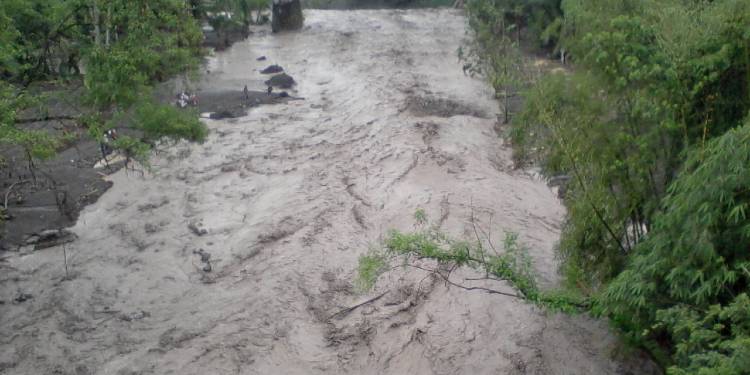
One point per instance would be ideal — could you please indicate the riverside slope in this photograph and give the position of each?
(289, 197)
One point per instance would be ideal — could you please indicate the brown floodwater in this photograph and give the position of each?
(285, 200)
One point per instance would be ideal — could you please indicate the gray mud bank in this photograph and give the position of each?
(238, 256)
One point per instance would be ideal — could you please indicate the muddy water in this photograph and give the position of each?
(285, 200)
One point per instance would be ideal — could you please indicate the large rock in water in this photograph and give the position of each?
(282, 80)
(286, 15)
(272, 69)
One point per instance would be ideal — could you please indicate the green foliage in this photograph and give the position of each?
(153, 122)
(113, 77)
(158, 121)
(36, 144)
(715, 341)
(370, 267)
(9, 48)
(125, 47)
(10, 103)
(133, 148)
(519, 19)
(651, 128)
(150, 46)
(567, 125)
(687, 281)
(513, 265)
(497, 27)
(36, 32)
(648, 90)
(420, 216)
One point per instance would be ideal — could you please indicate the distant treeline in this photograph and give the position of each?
(374, 4)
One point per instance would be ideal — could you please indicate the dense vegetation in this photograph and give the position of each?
(652, 127)
(92, 65)
(117, 49)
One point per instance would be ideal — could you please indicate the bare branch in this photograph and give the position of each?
(352, 308)
(7, 192)
(479, 240)
(488, 290)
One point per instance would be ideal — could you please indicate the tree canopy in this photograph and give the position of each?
(118, 49)
(651, 124)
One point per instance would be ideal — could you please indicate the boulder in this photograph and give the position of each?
(272, 69)
(282, 80)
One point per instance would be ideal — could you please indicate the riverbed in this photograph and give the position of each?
(284, 200)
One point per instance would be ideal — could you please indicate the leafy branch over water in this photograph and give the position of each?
(429, 249)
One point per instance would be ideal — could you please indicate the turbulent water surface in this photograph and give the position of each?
(285, 200)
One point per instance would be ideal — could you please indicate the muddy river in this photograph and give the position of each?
(231, 256)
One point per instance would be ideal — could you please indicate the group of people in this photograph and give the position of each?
(184, 99)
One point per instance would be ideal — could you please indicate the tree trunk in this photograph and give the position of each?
(95, 21)
(109, 23)
(286, 15)
(506, 104)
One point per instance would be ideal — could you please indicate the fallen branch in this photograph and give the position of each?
(7, 192)
(484, 278)
(107, 312)
(479, 240)
(488, 290)
(447, 280)
(352, 308)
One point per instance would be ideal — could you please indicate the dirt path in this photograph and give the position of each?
(285, 200)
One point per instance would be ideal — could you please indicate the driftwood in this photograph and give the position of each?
(352, 308)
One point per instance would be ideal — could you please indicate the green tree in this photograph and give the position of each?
(125, 46)
(686, 284)
(647, 89)
(494, 52)
(150, 41)
(652, 128)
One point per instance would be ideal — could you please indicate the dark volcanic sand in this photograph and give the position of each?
(234, 103)
(64, 185)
